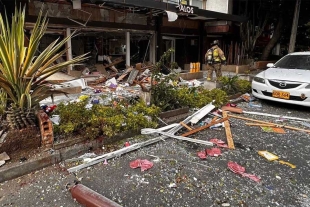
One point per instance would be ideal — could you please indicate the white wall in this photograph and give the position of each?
(223, 6)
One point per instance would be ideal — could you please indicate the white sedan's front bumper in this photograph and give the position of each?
(264, 91)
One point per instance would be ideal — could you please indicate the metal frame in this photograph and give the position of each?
(172, 7)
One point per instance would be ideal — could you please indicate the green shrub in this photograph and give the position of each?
(107, 120)
(244, 86)
(232, 85)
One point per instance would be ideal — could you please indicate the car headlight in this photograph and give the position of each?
(258, 79)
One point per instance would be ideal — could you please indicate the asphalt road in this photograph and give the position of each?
(180, 178)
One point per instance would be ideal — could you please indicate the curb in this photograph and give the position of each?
(20, 169)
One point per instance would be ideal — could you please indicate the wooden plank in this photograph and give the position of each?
(116, 61)
(186, 126)
(125, 74)
(230, 140)
(214, 119)
(132, 76)
(204, 127)
(67, 90)
(260, 124)
(264, 122)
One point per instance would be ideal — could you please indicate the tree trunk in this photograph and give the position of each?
(19, 119)
(275, 37)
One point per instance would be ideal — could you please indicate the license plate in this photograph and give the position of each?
(281, 94)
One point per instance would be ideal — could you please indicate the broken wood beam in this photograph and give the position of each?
(264, 122)
(229, 138)
(204, 127)
(186, 126)
(214, 119)
(260, 124)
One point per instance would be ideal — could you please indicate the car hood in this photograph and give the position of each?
(287, 74)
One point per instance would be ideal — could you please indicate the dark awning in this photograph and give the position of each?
(200, 14)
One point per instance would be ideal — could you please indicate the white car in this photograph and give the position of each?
(287, 81)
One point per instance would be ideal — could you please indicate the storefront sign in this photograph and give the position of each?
(185, 8)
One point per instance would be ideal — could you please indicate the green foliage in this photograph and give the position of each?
(164, 93)
(22, 71)
(244, 86)
(3, 101)
(232, 85)
(167, 95)
(75, 116)
(173, 97)
(91, 123)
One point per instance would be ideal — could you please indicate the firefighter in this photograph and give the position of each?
(214, 59)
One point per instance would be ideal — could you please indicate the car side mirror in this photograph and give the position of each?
(270, 65)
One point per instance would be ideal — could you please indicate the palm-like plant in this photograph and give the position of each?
(22, 73)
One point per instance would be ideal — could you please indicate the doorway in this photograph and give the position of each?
(169, 42)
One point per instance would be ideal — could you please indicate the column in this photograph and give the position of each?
(69, 49)
(128, 49)
(152, 48)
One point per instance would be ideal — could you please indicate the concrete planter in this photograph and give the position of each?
(236, 68)
(171, 113)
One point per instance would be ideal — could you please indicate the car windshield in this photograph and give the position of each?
(294, 62)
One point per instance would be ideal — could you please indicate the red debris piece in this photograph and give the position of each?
(231, 105)
(127, 144)
(135, 164)
(202, 154)
(252, 177)
(219, 143)
(214, 152)
(238, 169)
(144, 164)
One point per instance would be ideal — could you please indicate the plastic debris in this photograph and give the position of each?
(214, 152)
(305, 124)
(55, 119)
(278, 130)
(269, 156)
(202, 154)
(4, 156)
(231, 105)
(2, 162)
(238, 169)
(172, 185)
(217, 125)
(127, 144)
(278, 177)
(144, 164)
(287, 163)
(267, 129)
(251, 105)
(105, 162)
(219, 143)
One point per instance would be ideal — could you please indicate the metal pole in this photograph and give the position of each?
(69, 49)
(128, 49)
(294, 27)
